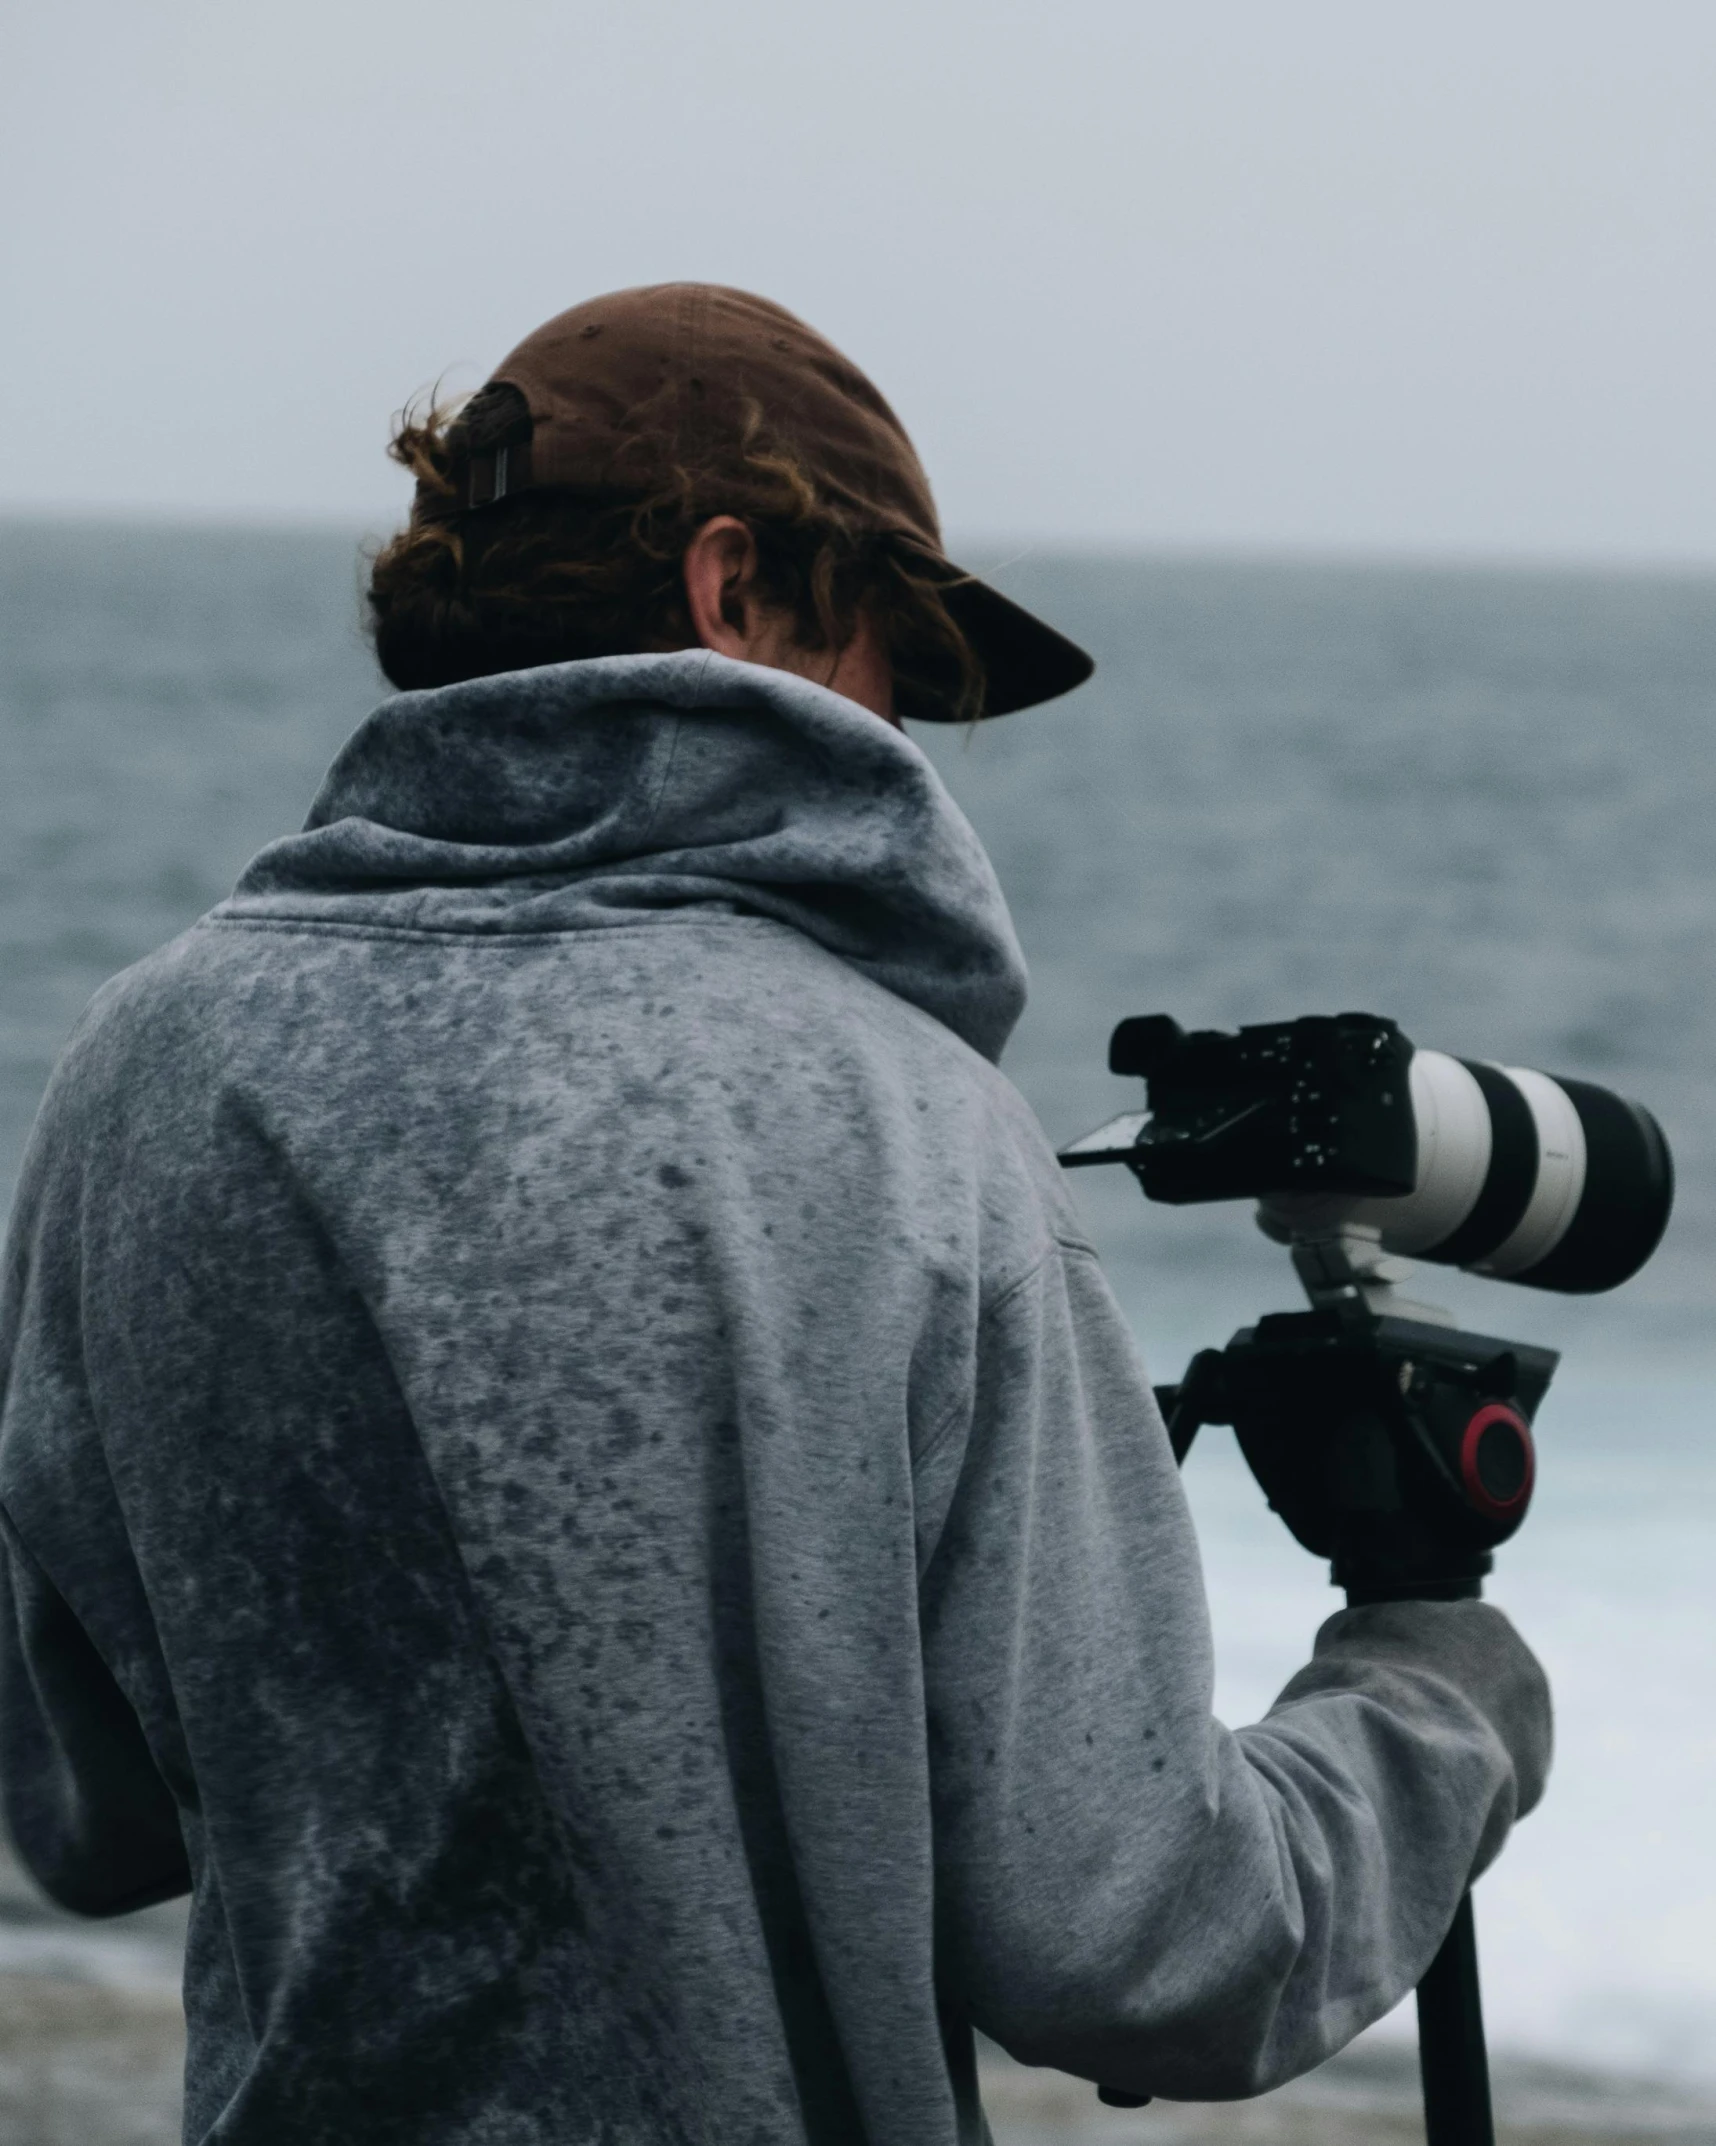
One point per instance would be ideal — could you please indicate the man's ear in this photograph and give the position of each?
(729, 616)
(721, 588)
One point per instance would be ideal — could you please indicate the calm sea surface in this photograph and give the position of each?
(1482, 802)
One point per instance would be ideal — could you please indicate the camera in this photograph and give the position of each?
(1337, 1125)
(1392, 1443)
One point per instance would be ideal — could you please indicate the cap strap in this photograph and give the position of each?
(494, 475)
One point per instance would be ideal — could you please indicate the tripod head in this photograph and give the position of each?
(1391, 1442)
(1400, 1449)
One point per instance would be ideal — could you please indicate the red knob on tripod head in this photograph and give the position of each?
(1498, 1462)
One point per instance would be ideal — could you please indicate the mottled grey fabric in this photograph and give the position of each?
(565, 1463)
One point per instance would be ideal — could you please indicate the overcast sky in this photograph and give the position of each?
(1316, 273)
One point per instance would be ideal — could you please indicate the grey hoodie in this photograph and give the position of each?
(567, 1465)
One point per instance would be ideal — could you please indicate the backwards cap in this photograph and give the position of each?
(625, 390)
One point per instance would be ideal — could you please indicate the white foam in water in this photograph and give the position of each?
(1597, 1928)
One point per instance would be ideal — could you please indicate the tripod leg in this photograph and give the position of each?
(1451, 2053)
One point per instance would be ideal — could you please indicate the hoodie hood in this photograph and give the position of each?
(585, 795)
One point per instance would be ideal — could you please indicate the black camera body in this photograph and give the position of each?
(1322, 1104)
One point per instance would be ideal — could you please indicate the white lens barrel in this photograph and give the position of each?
(1454, 1148)
(1560, 1182)
(1476, 1139)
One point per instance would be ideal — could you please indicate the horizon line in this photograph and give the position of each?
(1016, 548)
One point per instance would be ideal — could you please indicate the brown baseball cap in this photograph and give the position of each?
(627, 389)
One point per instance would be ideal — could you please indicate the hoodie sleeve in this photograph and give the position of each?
(85, 1805)
(1125, 1888)
(89, 1814)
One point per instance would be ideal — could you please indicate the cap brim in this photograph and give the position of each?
(1024, 661)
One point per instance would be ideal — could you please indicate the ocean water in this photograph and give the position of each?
(1480, 801)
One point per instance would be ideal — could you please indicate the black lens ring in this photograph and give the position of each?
(1510, 1180)
(1629, 1194)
